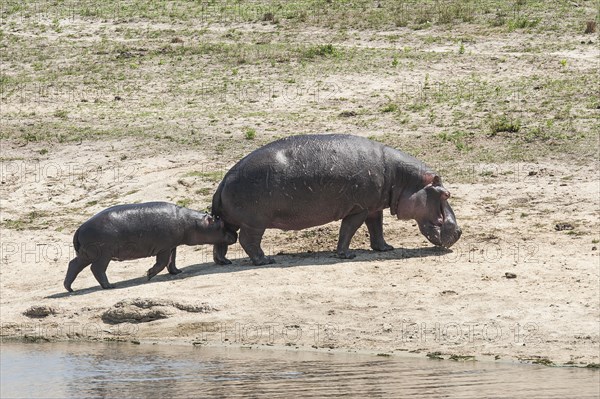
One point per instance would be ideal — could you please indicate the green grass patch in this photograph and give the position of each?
(322, 50)
(249, 133)
(184, 202)
(391, 107)
(458, 138)
(504, 124)
(214, 177)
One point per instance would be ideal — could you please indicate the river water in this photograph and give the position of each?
(68, 370)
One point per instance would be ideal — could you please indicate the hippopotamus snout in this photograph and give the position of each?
(444, 230)
(450, 233)
(443, 236)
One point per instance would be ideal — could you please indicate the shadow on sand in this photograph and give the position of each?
(282, 260)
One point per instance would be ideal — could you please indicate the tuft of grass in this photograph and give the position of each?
(31, 221)
(462, 358)
(322, 50)
(249, 133)
(458, 138)
(504, 124)
(184, 202)
(543, 361)
(214, 177)
(522, 23)
(391, 107)
(204, 191)
(61, 113)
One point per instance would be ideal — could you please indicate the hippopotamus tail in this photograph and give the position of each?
(217, 207)
(76, 243)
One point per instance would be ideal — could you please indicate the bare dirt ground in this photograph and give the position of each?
(99, 110)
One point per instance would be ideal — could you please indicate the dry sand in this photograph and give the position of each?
(412, 299)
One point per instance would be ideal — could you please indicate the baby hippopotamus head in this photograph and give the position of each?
(210, 230)
(430, 208)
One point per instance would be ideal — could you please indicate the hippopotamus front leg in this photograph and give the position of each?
(350, 224)
(250, 240)
(219, 252)
(163, 258)
(99, 269)
(374, 223)
(171, 266)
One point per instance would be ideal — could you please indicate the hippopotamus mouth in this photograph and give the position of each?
(444, 230)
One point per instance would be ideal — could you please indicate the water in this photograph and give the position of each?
(66, 370)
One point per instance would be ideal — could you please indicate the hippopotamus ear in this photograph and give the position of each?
(431, 178)
(204, 222)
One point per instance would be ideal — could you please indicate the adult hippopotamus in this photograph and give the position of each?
(305, 181)
(134, 231)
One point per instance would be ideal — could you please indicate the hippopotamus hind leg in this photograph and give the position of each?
(99, 266)
(163, 258)
(220, 250)
(250, 239)
(374, 223)
(171, 266)
(350, 224)
(75, 267)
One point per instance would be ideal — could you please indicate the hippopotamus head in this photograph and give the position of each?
(210, 230)
(430, 208)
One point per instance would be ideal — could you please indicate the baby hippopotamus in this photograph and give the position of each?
(134, 231)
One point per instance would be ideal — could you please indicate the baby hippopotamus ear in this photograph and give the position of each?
(208, 221)
(430, 178)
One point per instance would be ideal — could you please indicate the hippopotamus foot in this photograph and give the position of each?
(171, 268)
(163, 259)
(374, 222)
(107, 285)
(219, 252)
(382, 248)
(346, 255)
(99, 270)
(250, 240)
(265, 260)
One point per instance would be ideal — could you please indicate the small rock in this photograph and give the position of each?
(563, 226)
(143, 310)
(532, 173)
(594, 248)
(347, 114)
(510, 275)
(449, 292)
(40, 311)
